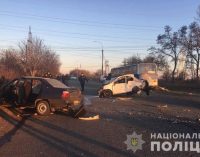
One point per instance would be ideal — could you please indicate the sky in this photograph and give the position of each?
(78, 29)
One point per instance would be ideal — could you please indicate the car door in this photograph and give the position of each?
(9, 91)
(130, 83)
(119, 86)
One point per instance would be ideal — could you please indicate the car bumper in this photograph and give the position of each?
(76, 105)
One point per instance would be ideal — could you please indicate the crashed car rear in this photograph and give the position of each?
(44, 94)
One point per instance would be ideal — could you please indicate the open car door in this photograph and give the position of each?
(119, 86)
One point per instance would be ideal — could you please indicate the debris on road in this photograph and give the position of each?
(22, 108)
(113, 101)
(186, 110)
(162, 89)
(163, 106)
(90, 118)
(130, 113)
(124, 99)
(175, 121)
(108, 119)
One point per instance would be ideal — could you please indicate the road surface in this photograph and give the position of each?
(60, 135)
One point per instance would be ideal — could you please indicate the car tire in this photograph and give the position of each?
(135, 89)
(43, 108)
(107, 93)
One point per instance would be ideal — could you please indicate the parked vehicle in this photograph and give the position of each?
(123, 84)
(45, 94)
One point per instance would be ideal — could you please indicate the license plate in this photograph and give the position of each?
(76, 102)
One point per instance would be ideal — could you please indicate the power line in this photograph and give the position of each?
(86, 22)
(59, 33)
(77, 22)
(49, 34)
(74, 33)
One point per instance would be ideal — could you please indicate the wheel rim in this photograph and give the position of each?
(42, 108)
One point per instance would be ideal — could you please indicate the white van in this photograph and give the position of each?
(123, 84)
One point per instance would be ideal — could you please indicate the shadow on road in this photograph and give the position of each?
(61, 145)
(17, 125)
(81, 137)
(57, 142)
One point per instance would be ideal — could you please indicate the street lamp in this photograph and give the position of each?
(102, 56)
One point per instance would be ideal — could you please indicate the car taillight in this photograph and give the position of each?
(65, 95)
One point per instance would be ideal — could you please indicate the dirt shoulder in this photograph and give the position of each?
(181, 86)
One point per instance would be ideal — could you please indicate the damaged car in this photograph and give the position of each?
(44, 94)
(125, 84)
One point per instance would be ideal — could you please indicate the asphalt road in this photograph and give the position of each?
(91, 87)
(60, 135)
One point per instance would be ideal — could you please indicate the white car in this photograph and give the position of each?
(123, 84)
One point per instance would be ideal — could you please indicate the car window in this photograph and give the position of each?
(129, 78)
(120, 80)
(56, 84)
(36, 86)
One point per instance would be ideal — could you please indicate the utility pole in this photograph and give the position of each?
(102, 62)
(102, 56)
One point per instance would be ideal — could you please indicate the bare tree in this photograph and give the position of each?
(191, 43)
(9, 65)
(158, 59)
(37, 59)
(132, 60)
(195, 42)
(169, 47)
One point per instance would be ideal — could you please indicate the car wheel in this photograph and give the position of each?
(107, 93)
(135, 90)
(43, 108)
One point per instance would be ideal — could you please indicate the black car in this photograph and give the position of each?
(45, 94)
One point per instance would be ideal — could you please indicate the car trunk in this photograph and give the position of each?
(75, 95)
